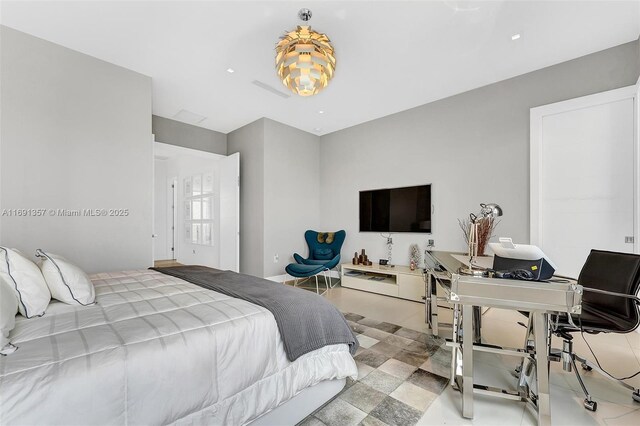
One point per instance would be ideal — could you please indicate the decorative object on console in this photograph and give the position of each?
(415, 256)
(362, 259)
(478, 229)
(305, 59)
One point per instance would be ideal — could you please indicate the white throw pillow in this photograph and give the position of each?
(8, 311)
(27, 282)
(67, 282)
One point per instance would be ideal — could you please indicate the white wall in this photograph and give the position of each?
(279, 198)
(473, 148)
(291, 202)
(75, 134)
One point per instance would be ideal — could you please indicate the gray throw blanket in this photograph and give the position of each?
(306, 321)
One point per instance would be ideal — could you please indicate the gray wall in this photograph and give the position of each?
(75, 134)
(473, 148)
(181, 134)
(279, 200)
(292, 201)
(249, 142)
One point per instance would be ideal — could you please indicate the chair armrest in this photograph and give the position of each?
(299, 259)
(611, 293)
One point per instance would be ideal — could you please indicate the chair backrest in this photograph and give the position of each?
(318, 250)
(616, 272)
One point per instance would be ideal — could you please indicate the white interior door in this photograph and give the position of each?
(230, 213)
(160, 235)
(583, 186)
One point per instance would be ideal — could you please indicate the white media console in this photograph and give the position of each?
(397, 281)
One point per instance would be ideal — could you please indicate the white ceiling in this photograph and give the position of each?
(391, 55)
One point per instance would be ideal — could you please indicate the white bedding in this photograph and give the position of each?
(155, 350)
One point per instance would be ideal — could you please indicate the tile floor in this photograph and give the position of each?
(619, 354)
(399, 377)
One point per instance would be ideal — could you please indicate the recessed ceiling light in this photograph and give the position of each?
(230, 70)
(515, 37)
(320, 112)
(317, 129)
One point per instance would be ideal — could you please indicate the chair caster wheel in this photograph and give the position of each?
(590, 405)
(636, 395)
(586, 367)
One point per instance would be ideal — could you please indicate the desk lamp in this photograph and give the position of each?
(487, 211)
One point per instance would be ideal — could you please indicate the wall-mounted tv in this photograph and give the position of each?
(396, 210)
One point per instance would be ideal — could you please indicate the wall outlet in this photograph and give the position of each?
(276, 258)
(389, 240)
(431, 243)
(194, 251)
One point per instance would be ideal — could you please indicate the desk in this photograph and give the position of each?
(540, 299)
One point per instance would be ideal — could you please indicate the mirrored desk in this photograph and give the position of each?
(466, 293)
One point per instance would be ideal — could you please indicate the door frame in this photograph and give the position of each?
(537, 115)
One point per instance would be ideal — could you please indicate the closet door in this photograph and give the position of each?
(583, 177)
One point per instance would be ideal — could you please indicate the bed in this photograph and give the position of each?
(156, 349)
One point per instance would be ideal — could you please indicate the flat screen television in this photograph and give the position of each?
(396, 210)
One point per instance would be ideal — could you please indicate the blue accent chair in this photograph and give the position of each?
(322, 253)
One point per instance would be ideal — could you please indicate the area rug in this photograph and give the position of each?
(400, 373)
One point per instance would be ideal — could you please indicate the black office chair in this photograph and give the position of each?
(609, 305)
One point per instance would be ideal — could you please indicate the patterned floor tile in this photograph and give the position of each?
(414, 396)
(363, 370)
(376, 334)
(353, 317)
(394, 412)
(417, 347)
(366, 341)
(369, 322)
(398, 369)
(390, 386)
(371, 358)
(411, 334)
(428, 381)
(386, 349)
(372, 421)
(357, 328)
(398, 341)
(381, 381)
(311, 421)
(340, 413)
(363, 397)
(387, 327)
(439, 363)
(413, 358)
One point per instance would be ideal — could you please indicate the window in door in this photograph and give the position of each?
(198, 209)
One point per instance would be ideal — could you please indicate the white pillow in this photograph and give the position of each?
(8, 311)
(67, 282)
(27, 282)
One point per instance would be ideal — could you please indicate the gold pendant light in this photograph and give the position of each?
(305, 59)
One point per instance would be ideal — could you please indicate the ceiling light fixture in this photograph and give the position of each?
(230, 70)
(305, 59)
(320, 112)
(317, 129)
(515, 37)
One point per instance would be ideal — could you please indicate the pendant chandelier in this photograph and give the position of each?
(305, 59)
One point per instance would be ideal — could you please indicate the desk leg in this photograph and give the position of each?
(541, 333)
(467, 361)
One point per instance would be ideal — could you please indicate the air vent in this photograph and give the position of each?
(271, 89)
(189, 117)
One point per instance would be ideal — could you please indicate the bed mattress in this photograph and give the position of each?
(155, 350)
